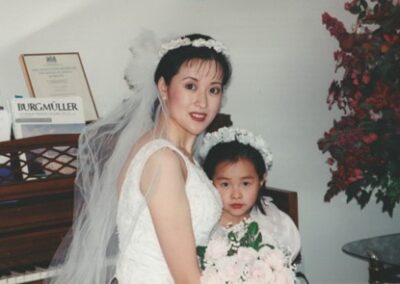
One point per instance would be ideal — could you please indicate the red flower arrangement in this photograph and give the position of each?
(364, 145)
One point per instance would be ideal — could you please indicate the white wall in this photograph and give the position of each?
(283, 64)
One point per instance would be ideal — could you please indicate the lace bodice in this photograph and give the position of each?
(141, 259)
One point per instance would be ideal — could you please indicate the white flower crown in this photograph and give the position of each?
(200, 42)
(229, 134)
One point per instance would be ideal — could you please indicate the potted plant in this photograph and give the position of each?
(364, 144)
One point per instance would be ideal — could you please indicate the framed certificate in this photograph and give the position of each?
(58, 75)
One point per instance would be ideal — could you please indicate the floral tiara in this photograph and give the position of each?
(229, 134)
(200, 42)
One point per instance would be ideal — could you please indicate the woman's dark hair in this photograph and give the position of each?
(172, 61)
(233, 152)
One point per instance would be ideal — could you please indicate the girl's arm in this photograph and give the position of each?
(165, 176)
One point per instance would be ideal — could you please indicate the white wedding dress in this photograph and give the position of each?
(141, 259)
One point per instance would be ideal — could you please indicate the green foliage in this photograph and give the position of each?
(201, 251)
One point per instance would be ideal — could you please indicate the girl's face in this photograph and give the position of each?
(193, 97)
(238, 184)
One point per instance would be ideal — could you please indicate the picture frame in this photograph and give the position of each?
(58, 74)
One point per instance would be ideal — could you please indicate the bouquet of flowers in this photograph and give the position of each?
(241, 256)
(364, 143)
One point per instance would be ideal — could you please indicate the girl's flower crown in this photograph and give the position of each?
(229, 134)
(200, 42)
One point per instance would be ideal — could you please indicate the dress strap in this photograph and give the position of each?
(158, 144)
(135, 168)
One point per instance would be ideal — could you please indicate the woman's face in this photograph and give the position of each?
(238, 184)
(193, 97)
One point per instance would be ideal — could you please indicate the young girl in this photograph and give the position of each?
(238, 163)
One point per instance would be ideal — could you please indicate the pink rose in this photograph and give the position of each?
(276, 260)
(210, 276)
(264, 252)
(247, 255)
(216, 249)
(229, 268)
(284, 277)
(259, 273)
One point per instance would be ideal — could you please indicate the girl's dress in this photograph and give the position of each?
(280, 226)
(141, 259)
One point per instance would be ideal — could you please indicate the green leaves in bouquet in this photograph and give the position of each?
(233, 239)
(201, 251)
(252, 238)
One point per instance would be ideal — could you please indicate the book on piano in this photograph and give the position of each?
(40, 116)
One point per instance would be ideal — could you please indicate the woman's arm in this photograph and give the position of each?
(163, 179)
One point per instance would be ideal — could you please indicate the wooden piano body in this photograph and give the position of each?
(36, 201)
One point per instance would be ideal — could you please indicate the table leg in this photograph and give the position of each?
(375, 270)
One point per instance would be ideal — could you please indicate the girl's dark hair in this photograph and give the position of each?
(233, 152)
(172, 61)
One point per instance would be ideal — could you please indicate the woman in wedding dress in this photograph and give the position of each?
(143, 202)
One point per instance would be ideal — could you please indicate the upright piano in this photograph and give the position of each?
(36, 201)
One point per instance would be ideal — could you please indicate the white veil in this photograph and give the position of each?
(90, 255)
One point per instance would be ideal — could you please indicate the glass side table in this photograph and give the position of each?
(383, 255)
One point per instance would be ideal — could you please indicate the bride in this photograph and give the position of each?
(143, 203)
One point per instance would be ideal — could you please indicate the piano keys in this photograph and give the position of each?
(35, 276)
